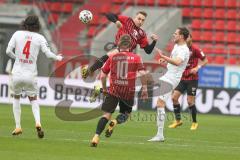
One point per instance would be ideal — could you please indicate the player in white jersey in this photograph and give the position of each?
(176, 66)
(27, 44)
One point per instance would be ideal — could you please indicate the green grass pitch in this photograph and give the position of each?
(217, 138)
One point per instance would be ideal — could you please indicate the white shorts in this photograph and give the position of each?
(25, 84)
(163, 81)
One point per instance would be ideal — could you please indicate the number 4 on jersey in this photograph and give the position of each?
(26, 49)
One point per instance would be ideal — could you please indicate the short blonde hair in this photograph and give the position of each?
(143, 13)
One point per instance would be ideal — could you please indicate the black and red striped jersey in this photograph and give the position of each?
(138, 36)
(123, 68)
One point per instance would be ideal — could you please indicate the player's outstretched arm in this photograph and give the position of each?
(46, 50)
(149, 48)
(175, 61)
(114, 18)
(200, 65)
(98, 64)
(53, 56)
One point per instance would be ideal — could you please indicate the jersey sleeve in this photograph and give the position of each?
(199, 53)
(106, 67)
(122, 19)
(12, 42)
(11, 46)
(45, 48)
(44, 45)
(181, 53)
(143, 41)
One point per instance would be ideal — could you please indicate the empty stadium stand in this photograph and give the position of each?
(215, 24)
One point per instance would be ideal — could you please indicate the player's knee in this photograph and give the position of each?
(161, 103)
(16, 96)
(107, 115)
(191, 104)
(121, 118)
(191, 101)
(32, 98)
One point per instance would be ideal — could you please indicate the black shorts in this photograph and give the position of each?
(190, 86)
(110, 104)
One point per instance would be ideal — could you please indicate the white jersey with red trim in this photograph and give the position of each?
(27, 46)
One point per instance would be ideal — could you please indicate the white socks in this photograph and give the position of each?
(17, 112)
(160, 121)
(36, 112)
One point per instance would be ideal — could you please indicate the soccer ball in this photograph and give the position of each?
(85, 16)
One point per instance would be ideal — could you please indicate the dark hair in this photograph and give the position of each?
(183, 31)
(31, 23)
(143, 13)
(124, 41)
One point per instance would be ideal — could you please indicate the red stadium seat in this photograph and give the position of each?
(207, 13)
(220, 3)
(197, 13)
(207, 36)
(105, 8)
(238, 39)
(185, 3)
(162, 2)
(196, 35)
(231, 14)
(150, 2)
(207, 49)
(231, 4)
(231, 38)
(23, 2)
(219, 25)
(141, 2)
(67, 8)
(116, 9)
(53, 18)
(219, 60)
(166, 2)
(210, 59)
(196, 24)
(220, 49)
(219, 14)
(207, 3)
(232, 61)
(219, 37)
(55, 6)
(186, 12)
(233, 50)
(207, 25)
(196, 3)
(118, 1)
(231, 26)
